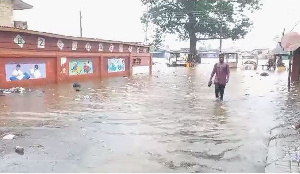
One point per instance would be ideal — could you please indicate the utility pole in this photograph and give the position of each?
(221, 35)
(146, 29)
(80, 18)
(221, 29)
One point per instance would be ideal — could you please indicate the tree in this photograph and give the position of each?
(198, 20)
(157, 41)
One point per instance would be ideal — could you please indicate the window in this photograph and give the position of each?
(137, 61)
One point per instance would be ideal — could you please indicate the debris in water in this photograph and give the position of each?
(86, 97)
(223, 107)
(12, 90)
(296, 127)
(264, 74)
(19, 150)
(9, 137)
(77, 86)
(6, 92)
(77, 99)
(296, 158)
(37, 145)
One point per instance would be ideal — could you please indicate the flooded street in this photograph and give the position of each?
(167, 122)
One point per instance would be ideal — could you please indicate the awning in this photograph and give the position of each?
(20, 5)
(290, 41)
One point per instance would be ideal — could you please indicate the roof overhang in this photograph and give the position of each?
(18, 30)
(290, 41)
(20, 5)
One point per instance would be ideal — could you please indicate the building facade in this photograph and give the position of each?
(7, 8)
(31, 58)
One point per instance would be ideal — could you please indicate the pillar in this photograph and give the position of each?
(295, 67)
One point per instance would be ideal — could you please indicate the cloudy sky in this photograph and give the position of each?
(120, 20)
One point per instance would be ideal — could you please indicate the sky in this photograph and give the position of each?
(120, 20)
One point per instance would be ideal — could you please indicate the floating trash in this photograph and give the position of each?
(9, 137)
(296, 157)
(12, 90)
(19, 150)
(86, 97)
(77, 86)
(264, 74)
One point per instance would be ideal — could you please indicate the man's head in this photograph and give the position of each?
(221, 58)
(18, 67)
(36, 67)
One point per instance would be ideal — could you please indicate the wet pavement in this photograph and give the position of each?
(167, 122)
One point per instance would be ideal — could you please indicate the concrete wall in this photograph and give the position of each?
(6, 13)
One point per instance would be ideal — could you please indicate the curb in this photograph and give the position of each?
(283, 146)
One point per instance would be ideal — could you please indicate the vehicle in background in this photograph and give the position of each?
(231, 58)
(176, 59)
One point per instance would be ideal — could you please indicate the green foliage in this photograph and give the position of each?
(202, 18)
(158, 39)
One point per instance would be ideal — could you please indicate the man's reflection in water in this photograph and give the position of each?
(220, 112)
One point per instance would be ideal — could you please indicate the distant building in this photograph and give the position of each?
(209, 54)
(279, 50)
(160, 54)
(261, 53)
(7, 8)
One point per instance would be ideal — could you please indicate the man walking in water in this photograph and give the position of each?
(221, 69)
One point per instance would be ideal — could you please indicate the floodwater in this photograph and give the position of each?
(166, 122)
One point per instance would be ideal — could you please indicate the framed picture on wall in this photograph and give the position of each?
(116, 65)
(80, 67)
(25, 71)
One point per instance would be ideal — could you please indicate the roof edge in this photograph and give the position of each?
(46, 34)
(21, 5)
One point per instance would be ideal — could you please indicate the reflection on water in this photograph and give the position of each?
(167, 122)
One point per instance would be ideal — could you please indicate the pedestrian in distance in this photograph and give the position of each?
(221, 72)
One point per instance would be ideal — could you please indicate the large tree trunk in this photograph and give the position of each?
(193, 47)
(193, 43)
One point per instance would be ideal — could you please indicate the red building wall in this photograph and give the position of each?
(57, 62)
(50, 72)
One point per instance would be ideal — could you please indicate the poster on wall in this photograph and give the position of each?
(116, 65)
(63, 67)
(80, 67)
(25, 71)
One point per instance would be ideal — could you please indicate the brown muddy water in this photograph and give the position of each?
(166, 122)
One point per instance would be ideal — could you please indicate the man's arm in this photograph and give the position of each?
(213, 72)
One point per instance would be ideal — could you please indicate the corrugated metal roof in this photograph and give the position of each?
(18, 30)
(20, 5)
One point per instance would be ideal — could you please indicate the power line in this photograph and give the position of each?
(295, 25)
